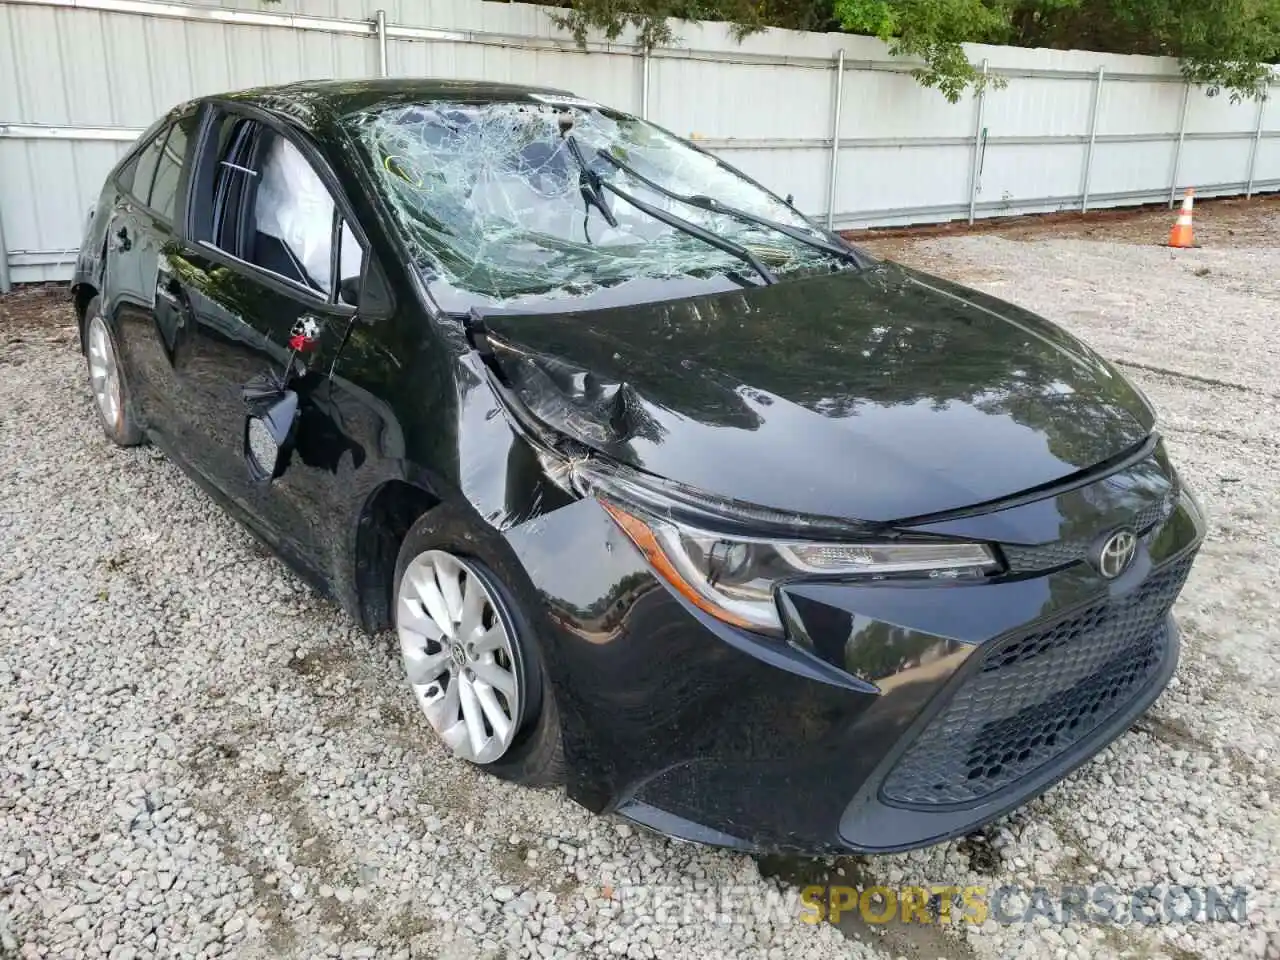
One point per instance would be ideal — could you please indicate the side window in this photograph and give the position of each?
(127, 173)
(146, 163)
(296, 224)
(164, 189)
(259, 199)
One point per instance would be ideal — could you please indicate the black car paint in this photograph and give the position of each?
(879, 394)
(806, 396)
(774, 741)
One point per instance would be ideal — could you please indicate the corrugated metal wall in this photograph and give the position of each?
(80, 78)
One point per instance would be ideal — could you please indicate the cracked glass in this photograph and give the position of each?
(494, 205)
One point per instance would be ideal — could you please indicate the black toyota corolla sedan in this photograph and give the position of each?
(668, 495)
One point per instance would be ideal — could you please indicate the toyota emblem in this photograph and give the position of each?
(1116, 553)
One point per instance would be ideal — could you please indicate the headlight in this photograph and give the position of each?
(733, 577)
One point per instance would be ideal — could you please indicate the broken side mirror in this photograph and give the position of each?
(269, 432)
(791, 199)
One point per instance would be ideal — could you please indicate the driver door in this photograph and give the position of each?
(259, 282)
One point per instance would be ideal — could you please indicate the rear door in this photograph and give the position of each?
(259, 279)
(140, 228)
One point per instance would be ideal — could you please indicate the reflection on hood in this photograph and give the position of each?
(874, 395)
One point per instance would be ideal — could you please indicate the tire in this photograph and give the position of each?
(533, 756)
(107, 379)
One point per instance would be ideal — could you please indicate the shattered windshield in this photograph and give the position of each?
(498, 209)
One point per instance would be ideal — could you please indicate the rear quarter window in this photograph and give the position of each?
(144, 166)
(164, 188)
(126, 175)
(153, 173)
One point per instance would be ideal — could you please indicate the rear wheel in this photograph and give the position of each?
(471, 659)
(110, 391)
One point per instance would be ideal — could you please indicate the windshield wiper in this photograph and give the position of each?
(712, 205)
(589, 182)
(693, 230)
(593, 186)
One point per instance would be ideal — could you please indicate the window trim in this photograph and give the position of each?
(144, 140)
(144, 199)
(272, 280)
(168, 132)
(183, 172)
(161, 128)
(213, 111)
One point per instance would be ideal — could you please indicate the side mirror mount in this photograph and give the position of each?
(349, 291)
(791, 199)
(269, 433)
(369, 293)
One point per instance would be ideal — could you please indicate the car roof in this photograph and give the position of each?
(314, 104)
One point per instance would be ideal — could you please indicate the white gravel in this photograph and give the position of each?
(200, 758)
(1190, 796)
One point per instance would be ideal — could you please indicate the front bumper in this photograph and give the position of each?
(896, 716)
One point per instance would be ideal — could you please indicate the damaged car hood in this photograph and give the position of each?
(880, 394)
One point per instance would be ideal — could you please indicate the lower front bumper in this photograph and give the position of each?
(705, 733)
(871, 825)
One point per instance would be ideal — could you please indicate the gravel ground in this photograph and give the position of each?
(198, 757)
(1189, 796)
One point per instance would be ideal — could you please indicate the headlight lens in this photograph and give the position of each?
(733, 578)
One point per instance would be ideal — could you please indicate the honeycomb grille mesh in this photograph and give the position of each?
(1061, 553)
(1033, 696)
(1047, 556)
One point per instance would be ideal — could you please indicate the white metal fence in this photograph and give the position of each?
(829, 118)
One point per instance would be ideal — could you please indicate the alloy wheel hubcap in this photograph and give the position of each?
(104, 376)
(458, 655)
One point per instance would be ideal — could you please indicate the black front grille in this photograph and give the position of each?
(1049, 556)
(1034, 695)
(1046, 556)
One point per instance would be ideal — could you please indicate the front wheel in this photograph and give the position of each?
(471, 659)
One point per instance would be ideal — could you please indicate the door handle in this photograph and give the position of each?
(166, 286)
(170, 291)
(171, 309)
(122, 243)
(165, 291)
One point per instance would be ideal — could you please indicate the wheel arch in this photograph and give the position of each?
(82, 294)
(84, 290)
(385, 519)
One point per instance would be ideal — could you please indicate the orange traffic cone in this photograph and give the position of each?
(1181, 234)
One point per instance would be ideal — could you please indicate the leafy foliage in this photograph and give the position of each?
(650, 18)
(1222, 44)
(931, 30)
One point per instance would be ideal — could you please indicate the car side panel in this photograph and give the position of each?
(91, 261)
(134, 243)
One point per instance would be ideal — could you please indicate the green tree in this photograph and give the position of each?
(651, 18)
(931, 30)
(1222, 44)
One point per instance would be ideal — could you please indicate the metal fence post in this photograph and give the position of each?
(977, 144)
(380, 22)
(837, 107)
(645, 62)
(1177, 149)
(1253, 150)
(5, 284)
(1093, 136)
